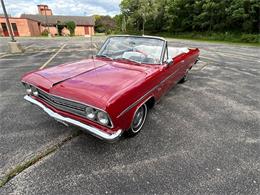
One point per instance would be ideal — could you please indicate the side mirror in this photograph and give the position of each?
(168, 62)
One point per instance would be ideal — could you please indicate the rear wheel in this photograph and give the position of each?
(138, 121)
(185, 77)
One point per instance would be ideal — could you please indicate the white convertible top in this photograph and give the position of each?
(175, 51)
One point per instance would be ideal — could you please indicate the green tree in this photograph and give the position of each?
(143, 14)
(244, 15)
(60, 26)
(189, 15)
(71, 25)
(104, 24)
(179, 15)
(120, 21)
(212, 15)
(130, 9)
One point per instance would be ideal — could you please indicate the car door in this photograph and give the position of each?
(170, 73)
(181, 60)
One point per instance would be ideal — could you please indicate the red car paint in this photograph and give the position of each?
(119, 87)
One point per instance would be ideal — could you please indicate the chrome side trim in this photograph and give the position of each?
(151, 90)
(94, 131)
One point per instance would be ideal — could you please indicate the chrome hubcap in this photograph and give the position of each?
(139, 119)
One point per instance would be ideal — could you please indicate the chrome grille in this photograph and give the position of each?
(63, 104)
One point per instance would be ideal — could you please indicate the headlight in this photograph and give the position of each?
(90, 113)
(28, 89)
(102, 118)
(98, 116)
(35, 91)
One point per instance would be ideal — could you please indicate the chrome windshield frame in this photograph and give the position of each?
(135, 36)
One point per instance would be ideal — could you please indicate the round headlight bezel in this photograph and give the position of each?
(28, 89)
(98, 116)
(35, 91)
(103, 118)
(90, 113)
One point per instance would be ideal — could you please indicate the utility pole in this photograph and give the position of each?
(8, 22)
(14, 47)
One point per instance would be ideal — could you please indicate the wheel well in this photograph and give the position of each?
(150, 103)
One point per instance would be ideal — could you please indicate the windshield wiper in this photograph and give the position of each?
(122, 58)
(104, 56)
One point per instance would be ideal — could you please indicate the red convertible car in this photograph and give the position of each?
(111, 93)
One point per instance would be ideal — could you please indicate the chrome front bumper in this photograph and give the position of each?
(94, 131)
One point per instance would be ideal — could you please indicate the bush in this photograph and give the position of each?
(215, 36)
(71, 27)
(100, 29)
(250, 38)
(45, 32)
(108, 32)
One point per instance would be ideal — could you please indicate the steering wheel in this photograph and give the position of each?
(147, 55)
(141, 52)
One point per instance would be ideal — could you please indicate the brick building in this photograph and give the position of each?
(34, 25)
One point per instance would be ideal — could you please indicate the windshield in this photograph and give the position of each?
(137, 49)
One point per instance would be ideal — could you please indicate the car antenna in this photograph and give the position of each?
(92, 53)
(92, 50)
(91, 47)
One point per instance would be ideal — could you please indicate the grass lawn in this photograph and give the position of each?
(234, 38)
(244, 39)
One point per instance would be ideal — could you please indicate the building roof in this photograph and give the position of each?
(3, 15)
(52, 20)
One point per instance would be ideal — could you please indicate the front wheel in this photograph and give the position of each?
(138, 120)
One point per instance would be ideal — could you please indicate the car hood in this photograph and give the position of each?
(94, 82)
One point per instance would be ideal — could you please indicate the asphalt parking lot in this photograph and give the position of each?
(203, 137)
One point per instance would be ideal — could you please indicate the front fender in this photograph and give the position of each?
(126, 117)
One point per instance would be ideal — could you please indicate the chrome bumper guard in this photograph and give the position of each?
(94, 131)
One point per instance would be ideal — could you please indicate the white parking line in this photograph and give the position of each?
(28, 46)
(4, 55)
(52, 57)
(200, 65)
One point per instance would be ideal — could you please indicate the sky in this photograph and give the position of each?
(64, 7)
